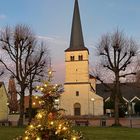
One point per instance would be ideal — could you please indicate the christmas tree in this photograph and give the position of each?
(48, 123)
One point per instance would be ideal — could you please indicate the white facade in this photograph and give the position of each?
(79, 97)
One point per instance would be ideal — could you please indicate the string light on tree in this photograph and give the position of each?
(48, 123)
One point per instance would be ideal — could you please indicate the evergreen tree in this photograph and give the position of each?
(49, 124)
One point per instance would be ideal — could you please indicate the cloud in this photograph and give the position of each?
(54, 39)
(56, 45)
(2, 16)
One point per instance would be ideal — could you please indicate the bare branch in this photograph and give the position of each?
(127, 74)
(7, 67)
(117, 52)
(20, 44)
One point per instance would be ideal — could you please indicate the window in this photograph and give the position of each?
(80, 57)
(77, 93)
(77, 109)
(72, 58)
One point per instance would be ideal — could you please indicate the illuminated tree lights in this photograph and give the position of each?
(48, 123)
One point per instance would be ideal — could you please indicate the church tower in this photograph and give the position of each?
(79, 96)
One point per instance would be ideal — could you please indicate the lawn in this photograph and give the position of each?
(109, 133)
(91, 133)
(9, 133)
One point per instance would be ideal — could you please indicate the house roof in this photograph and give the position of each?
(128, 90)
(91, 76)
(76, 40)
(2, 85)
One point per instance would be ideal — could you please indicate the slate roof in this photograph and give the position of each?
(76, 40)
(129, 90)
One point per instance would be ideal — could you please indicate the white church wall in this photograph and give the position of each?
(85, 97)
(76, 71)
(77, 88)
(96, 105)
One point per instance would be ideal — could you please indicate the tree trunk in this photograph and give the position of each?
(116, 111)
(116, 99)
(20, 122)
(30, 105)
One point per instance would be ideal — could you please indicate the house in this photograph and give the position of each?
(130, 93)
(3, 103)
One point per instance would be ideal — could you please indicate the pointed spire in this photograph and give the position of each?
(76, 40)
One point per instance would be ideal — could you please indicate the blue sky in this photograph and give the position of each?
(51, 21)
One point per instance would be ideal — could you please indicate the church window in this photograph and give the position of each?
(77, 93)
(77, 109)
(72, 58)
(80, 57)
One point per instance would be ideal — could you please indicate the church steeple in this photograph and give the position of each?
(76, 40)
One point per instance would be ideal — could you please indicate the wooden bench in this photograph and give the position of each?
(82, 122)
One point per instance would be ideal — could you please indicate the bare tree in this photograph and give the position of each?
(18, 44)
(137, 78)
(37, 74)
(1, 73)
(117, 53)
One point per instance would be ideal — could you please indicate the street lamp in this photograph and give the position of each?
(92, 99)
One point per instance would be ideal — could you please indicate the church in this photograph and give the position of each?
(79, 97)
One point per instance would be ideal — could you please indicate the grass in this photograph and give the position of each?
(91, 133)
(9, 133)
(110, 133)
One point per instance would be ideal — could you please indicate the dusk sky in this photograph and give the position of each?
(51, 21)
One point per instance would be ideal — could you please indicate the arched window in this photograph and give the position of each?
(80, 57)
(77, 109)
(71, 58)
